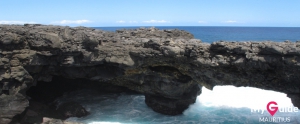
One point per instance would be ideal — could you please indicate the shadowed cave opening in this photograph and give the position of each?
(43, 98)
(48, 91)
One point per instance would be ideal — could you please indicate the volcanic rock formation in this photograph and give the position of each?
(168, 66)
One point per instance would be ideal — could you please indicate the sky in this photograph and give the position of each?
(107, 13)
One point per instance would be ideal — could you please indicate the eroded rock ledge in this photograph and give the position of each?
(168, 66)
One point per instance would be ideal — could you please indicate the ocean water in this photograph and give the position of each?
(222, 105)
(212, 34)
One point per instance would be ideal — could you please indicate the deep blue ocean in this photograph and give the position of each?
(222, 105)
(212, 34)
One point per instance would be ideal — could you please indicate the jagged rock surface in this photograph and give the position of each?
(168, 66)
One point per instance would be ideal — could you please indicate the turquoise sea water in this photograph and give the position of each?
(211, 34)
(223, 105)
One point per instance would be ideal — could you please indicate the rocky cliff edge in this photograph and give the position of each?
(168, 66)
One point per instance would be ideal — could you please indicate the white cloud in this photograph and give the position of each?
(156, 21)
(72, 21)
(16, 22)
(230, 21)
(202, 22)
(133, 22)
(121, 21)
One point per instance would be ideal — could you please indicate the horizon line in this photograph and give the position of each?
(163, 26)
(202, 26)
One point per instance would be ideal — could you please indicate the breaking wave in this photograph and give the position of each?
(224, 104)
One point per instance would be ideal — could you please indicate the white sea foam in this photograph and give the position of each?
(239, 97)
(225, 104)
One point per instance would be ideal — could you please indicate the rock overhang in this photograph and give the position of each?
(168, 64)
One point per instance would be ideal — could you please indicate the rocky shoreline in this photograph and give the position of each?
(168, 66)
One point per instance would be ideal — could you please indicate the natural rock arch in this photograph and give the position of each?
(168, 66)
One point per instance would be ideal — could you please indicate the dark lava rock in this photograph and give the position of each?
(163, 64)
(72, 109)
(295, 99)
(11, 106)
(37, 111)
(173, 106)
